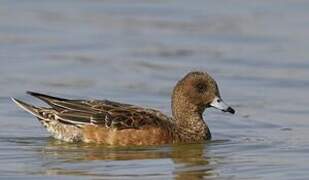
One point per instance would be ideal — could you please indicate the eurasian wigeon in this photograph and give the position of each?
(119, 124)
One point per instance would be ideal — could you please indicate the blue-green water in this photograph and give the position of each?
(134, 52)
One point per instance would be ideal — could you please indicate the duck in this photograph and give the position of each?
(120, 124)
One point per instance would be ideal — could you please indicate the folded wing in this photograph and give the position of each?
(104, 113)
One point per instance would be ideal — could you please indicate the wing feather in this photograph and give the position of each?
(100, 112)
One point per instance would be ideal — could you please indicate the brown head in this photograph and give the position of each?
(195, 92)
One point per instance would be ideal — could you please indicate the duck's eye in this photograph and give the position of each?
(201, 87)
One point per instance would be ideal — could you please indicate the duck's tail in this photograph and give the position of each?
(46, 98)
(27, 107)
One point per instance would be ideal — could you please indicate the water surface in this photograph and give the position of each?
(134, 52)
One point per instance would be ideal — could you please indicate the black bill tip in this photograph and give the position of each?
(230, 110)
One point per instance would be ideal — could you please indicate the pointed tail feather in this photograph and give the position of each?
(27, 107)
(50, 100)
(45, 97)
(59, 104)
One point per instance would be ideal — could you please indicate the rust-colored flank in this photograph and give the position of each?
(119, 124)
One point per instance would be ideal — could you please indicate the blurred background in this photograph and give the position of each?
(134, 51)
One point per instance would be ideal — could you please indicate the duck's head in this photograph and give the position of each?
(197, 91)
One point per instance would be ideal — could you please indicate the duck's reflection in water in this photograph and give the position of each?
(175, 161)
(192, 162)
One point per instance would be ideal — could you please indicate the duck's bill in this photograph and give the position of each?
(219, 104)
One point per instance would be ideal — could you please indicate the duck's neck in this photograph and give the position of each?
(189, 122)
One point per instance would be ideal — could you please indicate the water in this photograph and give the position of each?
(134, 52)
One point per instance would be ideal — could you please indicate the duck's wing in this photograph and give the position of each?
(104, 113)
